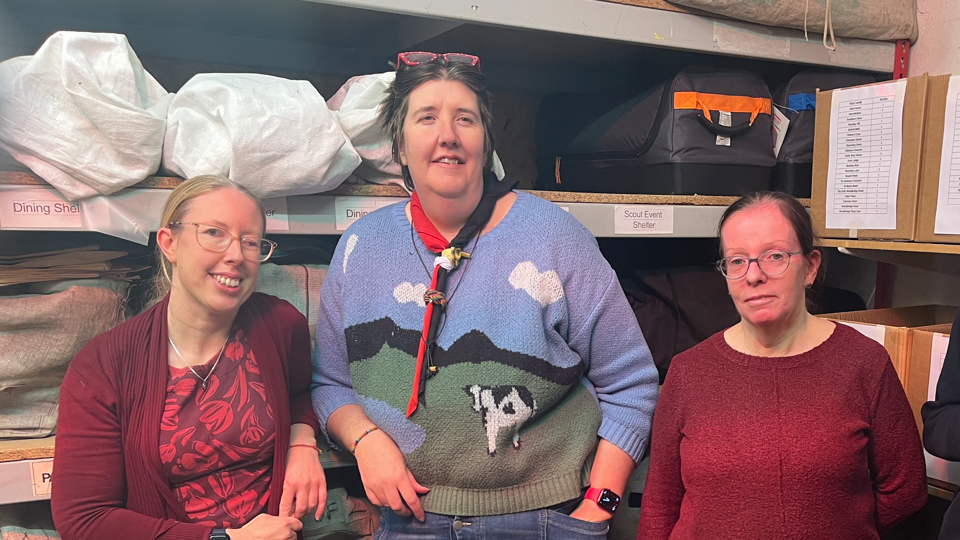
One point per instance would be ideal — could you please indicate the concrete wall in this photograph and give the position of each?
(938, 49)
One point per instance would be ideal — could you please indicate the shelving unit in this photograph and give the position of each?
(528, 47)
(900, 247)
(941, 258)
(693, 216)
(26, 464)
(647, 26)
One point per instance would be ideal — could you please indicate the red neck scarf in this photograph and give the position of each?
(435, 298)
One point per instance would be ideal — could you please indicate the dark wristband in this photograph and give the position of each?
(219, 534)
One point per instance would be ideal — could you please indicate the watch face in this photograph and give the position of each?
(608, 500)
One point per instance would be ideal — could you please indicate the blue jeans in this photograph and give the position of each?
(533, 525)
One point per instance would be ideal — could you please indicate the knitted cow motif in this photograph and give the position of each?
(502, 407)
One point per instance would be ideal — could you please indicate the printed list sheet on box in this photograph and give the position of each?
(864, 168)
(948, 196)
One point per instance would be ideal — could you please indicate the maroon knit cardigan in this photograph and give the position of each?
(108, 481)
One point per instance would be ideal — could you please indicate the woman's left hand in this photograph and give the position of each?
(304, 485)
(589, 511)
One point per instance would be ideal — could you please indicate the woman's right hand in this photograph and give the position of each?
(267, 527)
(386, 478)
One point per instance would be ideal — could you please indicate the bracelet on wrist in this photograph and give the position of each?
(360, 438)
(219, 534)
(312, 446)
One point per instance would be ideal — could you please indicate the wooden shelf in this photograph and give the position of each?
(882, 245)
(941, 258)
(25, 466)
(941, 489)
(374, 190)
(694, 216)
(8, 178)
(20, 449)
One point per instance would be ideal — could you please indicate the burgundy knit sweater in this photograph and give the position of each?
(817, 445)
(108, 480)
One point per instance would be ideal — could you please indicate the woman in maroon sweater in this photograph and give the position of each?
(192, 421)
(784, 425)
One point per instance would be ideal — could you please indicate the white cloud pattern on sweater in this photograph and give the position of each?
(544, 287)
(351, 245)
(408, 292)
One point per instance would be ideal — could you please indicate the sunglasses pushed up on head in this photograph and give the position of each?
(416, 58)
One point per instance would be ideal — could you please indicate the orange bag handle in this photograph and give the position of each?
(720, 102)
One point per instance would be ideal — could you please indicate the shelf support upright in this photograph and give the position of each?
(901, 59)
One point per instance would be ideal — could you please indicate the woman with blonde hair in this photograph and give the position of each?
(193, 420)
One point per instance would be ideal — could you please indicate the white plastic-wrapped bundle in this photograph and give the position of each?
(274, 136)
(83, 114)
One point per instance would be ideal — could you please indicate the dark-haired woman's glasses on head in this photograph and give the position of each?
(771, 263)
(415, 58)
(217, 240)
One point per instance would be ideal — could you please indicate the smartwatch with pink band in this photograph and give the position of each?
(604, 498)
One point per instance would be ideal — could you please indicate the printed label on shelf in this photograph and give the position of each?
(947, 218)
(726, 120)
(350, 209)
(41, 470)
(277, 218)
(938, 351)
(866, 125)
(642, 219)
(780, 124)
(872, 331)
(38, 208)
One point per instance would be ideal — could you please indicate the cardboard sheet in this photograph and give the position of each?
(873, 331)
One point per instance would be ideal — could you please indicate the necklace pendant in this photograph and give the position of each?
(204, 385)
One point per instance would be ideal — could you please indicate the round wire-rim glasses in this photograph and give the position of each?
(218, 240)
(771, 263)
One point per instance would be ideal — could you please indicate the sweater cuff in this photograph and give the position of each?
(624, 438)
(327, 399)
(301, 412)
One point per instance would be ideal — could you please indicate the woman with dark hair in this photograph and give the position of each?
(784, 425)
(473, 345)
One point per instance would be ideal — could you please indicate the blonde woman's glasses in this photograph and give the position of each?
(216, 239)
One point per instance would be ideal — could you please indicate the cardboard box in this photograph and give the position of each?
(930, 172)
(908, 187)
(891, 328)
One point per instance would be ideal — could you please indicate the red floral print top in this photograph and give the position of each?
(216, 444)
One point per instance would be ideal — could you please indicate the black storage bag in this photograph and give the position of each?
(798, 101)
(660, 141)
(678, 308)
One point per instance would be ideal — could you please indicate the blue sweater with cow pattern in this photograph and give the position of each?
(538, 355)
